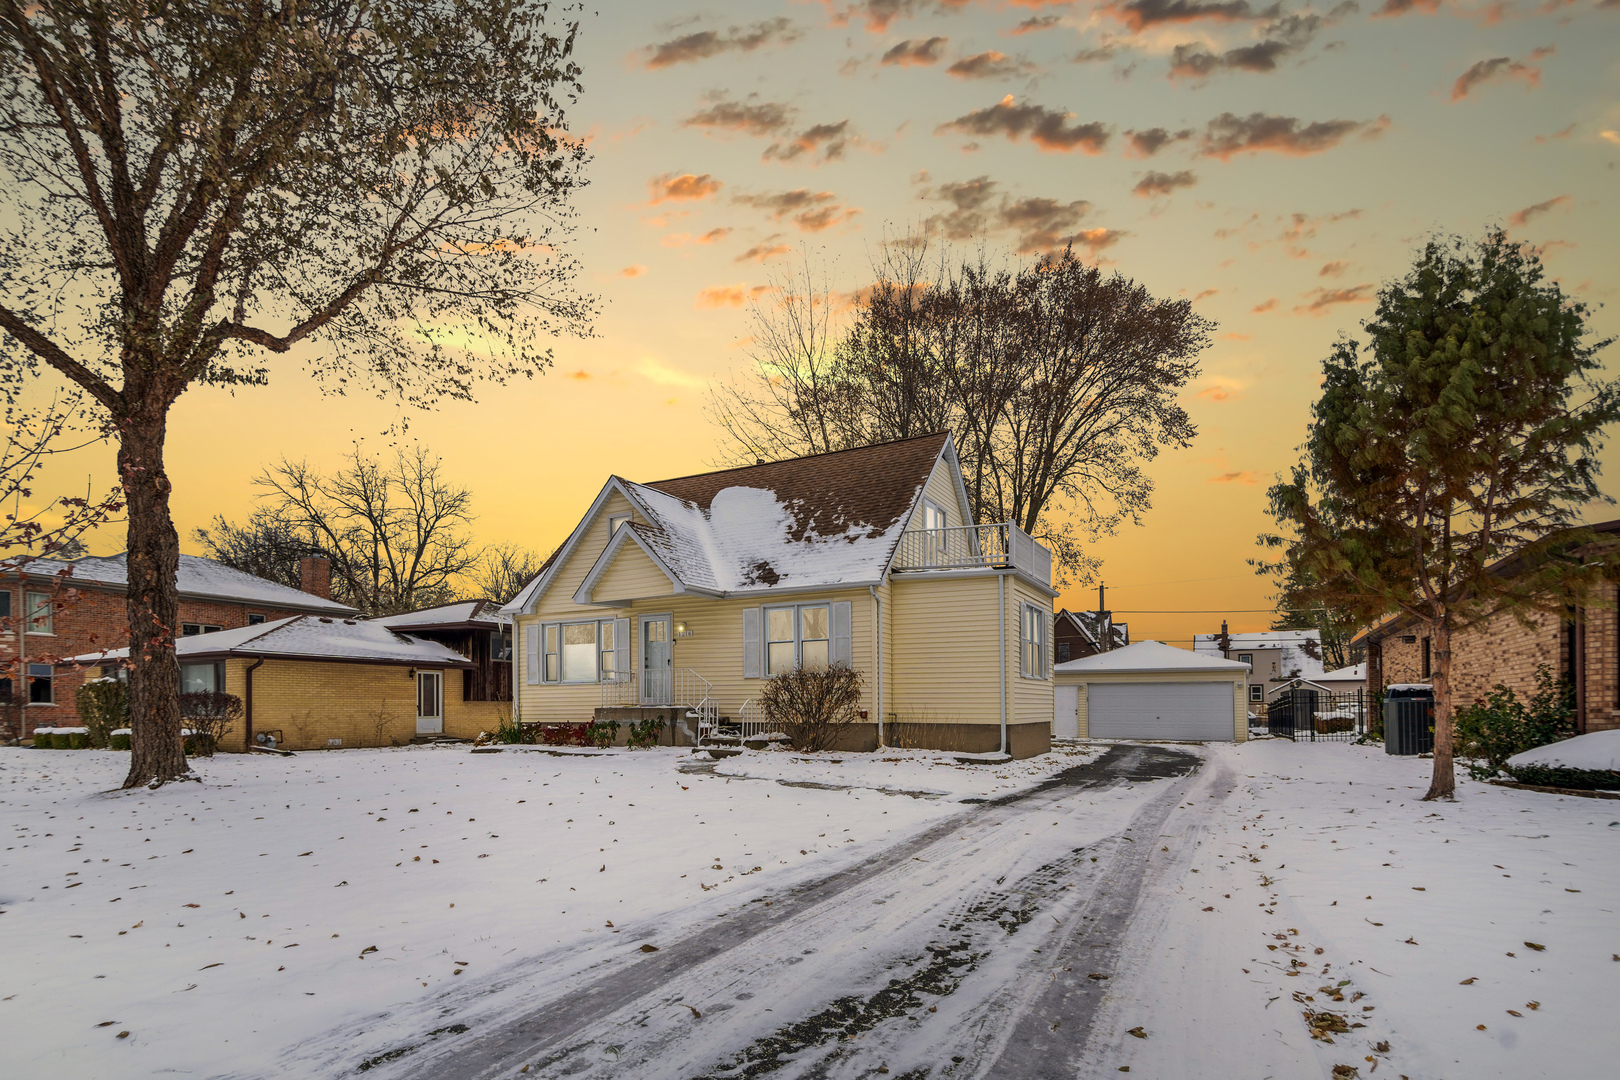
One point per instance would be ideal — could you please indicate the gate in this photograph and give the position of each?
(1306, 714)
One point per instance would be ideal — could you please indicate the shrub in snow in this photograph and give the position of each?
(564, 734)
(103, 706)
(1553, 776)
(210, 715)
(602, 733)
(1590, 762)
(118, 740)
(644, 733)
(1491, 731)
(813, 706)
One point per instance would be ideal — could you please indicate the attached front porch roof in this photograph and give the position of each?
(825, 521)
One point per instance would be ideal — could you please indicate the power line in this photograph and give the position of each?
(1216, 611)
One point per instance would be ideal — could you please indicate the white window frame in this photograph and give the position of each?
(1246, 658)
(551, 634)
(192, 629)
(1032, 630)
(929, 506)
(38, 618)
(614, 521)
(218, 673)
(798, 634)
(438, 676)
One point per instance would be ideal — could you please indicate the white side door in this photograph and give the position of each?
(1066, 711)
(430, 702)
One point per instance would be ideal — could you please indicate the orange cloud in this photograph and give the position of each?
(811, 211)
(763, 252)
(1522, 217)
(1233, 335)
(683, 187)
(1322, 300)
(1229, 135)
(1333, 269)
(1497, 68)
(919, 53)
(710, 237)
(1204, 294)
(1244, 476)
(633, 271)
(1264, 306)
(1049, 129)
(580, 374)
(721, 296)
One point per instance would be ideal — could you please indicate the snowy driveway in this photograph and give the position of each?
(981, 946)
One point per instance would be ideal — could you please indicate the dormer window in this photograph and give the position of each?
(933, 515)
(615, 520)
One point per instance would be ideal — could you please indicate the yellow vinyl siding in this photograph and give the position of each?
(1029, 701)
(1240, 691)
(941, 490)
(558, 600)
(943, 657)
(714, 650)
(632, 576)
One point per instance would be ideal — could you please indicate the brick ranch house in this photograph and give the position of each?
(47, 615)
(1580, 645)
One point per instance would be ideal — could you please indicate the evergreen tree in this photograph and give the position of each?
(1467, 431)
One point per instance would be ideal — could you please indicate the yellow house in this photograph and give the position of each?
(677, 599)
(315, 682)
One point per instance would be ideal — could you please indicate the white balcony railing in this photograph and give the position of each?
(999, 546)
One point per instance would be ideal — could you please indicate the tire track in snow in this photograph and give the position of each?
(838, 1006)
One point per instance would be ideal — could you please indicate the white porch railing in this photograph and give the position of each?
(619, 689)
(695, 694)
(1001, 546)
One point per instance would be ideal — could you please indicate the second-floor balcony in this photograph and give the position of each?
(1002, 546)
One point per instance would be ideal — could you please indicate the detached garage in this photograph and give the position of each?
(1151, 691)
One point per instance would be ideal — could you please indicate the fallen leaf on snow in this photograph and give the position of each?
(1138, 1032)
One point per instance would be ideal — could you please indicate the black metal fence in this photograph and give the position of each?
(1306, 714)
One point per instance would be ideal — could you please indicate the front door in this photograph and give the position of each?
(429, 702)
(657, 660)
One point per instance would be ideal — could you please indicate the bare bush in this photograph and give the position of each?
(813, 706)
(209, 715)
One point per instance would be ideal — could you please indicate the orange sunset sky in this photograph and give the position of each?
(1272, 163)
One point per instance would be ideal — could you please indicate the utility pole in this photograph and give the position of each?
(1105, 622)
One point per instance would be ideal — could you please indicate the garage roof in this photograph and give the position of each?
(1147, 657)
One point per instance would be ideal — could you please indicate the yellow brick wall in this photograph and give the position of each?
(311, 702)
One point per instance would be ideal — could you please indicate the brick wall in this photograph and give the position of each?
(1503, 650)
(96, 619)
(311, 703)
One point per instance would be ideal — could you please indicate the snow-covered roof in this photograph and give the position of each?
(459, 613)
(197, 578)
(820, 521)
(1353, 673)
(308, 637)
(1148, 657)
(1296, 647)
(1596, 750)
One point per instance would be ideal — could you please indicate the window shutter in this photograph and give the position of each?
(531, 649)
(750, 640)
(621, 647)
(1023, 641)
(842, 651)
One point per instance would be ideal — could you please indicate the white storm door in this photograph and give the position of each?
(657, 660)
(1066, 711)
(429, 702)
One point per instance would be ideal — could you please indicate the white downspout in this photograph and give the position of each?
(877, 637)
(1001, 590)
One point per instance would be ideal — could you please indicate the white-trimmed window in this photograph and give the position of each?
(1257, 692)
(202, 678)
(797, 636)
(40, 620)
(1034, 642)
(615, 520)
(1246, 658)
(933, 515)
(577, 652)
(255, 618)
(192, 629)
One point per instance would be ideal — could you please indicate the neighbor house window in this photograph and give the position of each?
(39, 613)
(1257, 693)
(192, 629)
(40, 690)
(1034, 642)
(5, 604)
(202, 678)
(255, 619)
(5, 691)
(1427, 657)
(798, 636)
(1063, 652)
(577, 652)
(1246, 658)
(500, 646)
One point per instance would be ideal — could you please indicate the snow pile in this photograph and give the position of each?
(1596, 751)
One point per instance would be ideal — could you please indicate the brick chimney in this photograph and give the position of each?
(315, 576)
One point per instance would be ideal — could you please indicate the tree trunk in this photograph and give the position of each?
(157, 752)
(1444, 784)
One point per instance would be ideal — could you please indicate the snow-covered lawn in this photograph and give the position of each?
(221, 924)
(1475, 939)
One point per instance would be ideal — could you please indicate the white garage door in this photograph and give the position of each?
(1190, 711)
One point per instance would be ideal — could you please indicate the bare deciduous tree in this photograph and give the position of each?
(502, 571)
(1057, 382)
(189, 186)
